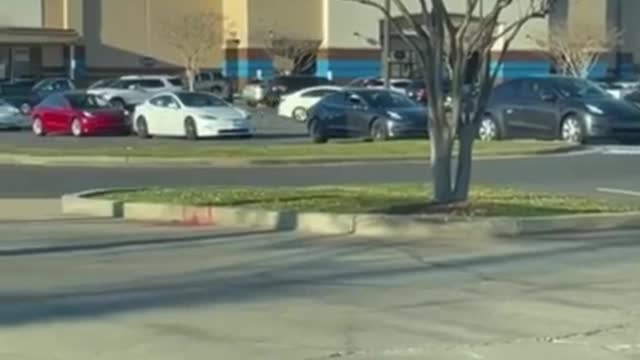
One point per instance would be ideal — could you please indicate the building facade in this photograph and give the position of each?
(94, 38)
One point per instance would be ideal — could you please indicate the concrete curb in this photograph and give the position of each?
(371, 225)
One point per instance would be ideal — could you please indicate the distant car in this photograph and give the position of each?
(288, 84)
(103, 83)
(129, 91)
(619, 86)
(25, 97)
(366, 113)
(78, 113)
(297, 105)
(216, 83)
(417, 90)
(574, 110)
(254, 91)
(399, 85)
(11, 118)
(192, 115)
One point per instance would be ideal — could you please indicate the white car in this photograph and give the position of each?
(297, 105)
(192, 115)
(12, 118)
(398, 85)
(133, 90)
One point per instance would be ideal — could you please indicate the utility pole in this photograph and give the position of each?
(386, 46)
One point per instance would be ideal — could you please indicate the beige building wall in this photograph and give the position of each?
(295, 18)
(117, 34)
(21, 13)
(346, 19)
(236, 25)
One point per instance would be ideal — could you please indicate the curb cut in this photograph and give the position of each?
(370, 225)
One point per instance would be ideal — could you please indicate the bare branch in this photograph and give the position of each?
(193, 36)
(291, 55)
(577, 52)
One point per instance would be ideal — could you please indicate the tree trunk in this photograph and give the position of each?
(466, 137)
(190, 74)
(441, 152)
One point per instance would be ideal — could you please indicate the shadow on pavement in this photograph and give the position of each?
(314, 271)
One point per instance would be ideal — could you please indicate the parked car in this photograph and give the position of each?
(366, 113)
(25, 96)
(288, 84)
(417, 90)
(297, 105)
(103, 83)
(132, 90)
(12, 118)
(254, 91)
(574, 110)
(192, 115)
(216, 83)
(399, 85)
(619, 86)
(78, 113)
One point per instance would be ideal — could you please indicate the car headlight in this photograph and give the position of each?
(594, 110)
(394, 115)
(208, 117)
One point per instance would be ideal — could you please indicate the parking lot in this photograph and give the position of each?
(271, 129)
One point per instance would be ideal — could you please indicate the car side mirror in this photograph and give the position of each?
(356, 102)
(173, 106)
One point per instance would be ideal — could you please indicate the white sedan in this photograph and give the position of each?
(297, 104)
(192, 115)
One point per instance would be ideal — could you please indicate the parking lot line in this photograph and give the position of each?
(619, 191)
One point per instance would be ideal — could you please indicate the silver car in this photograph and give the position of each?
(12, 118)
(253, 93)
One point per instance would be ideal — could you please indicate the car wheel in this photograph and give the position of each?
(119, 104)
(25, 109)
(379, 131)
(572, 130)
(142, 128)
(488, 129)
(190, 129)
(38, 127)
(317, 133)
(76, 128)
(299, 114)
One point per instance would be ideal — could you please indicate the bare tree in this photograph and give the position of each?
(575, 52)
(291, 55)
(194, 36)
(446, 40)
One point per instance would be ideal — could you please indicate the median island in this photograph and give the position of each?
(393, 199)
(229, 151)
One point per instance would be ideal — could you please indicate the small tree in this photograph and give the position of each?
(576, 52)
(446, 40)
(194, 36)
(291, 55)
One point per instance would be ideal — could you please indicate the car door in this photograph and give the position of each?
(156, 111)
(333, 114)
(58, 118)
(539, 109)
(357, 116)
(173, 117)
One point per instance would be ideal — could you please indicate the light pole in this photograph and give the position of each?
(386, 46)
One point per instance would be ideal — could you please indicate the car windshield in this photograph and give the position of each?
(200, 100)
(387, 99)
(103, 83)
(579, 88)
(87, 101)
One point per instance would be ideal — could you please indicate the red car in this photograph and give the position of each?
(77, 113)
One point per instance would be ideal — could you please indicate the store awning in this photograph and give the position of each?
(37, 36)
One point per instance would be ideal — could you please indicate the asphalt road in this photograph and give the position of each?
(114, 290)
(577, 174)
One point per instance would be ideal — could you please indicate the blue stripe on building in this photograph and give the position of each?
(340, 69)
(244, 68)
